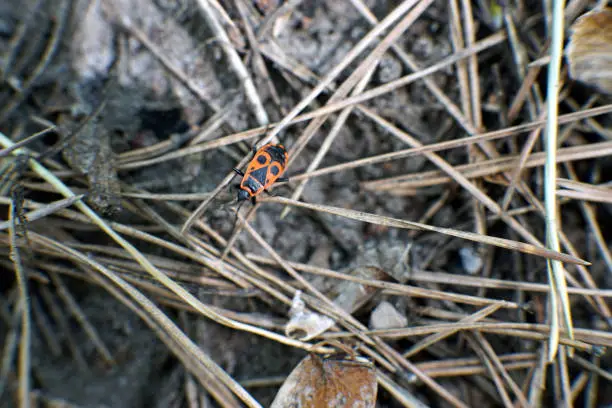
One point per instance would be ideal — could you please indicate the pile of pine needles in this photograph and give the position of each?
(513, 338)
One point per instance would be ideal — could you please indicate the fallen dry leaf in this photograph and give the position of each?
(589, 52)
(323, 382)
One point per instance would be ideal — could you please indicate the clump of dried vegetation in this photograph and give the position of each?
(447, 215)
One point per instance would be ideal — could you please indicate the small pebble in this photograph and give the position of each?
(385, 316)
(471, 260)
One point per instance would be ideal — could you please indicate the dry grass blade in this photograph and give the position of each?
(169, 197)
(584, 191)
(397, 223)
(434, 338)
(586, 196)
(23, 305)
(442, 278)
(448, 278)
(461, 367)
(397, 288)
(44, 211)
(586, 340)
(474, 77)
(593, 368)
(22, 143)
(559, 300)
(457, 40)
(485, 168)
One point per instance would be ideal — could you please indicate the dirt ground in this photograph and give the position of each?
(145, 100)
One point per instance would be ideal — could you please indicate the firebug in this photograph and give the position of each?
(266, 167)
